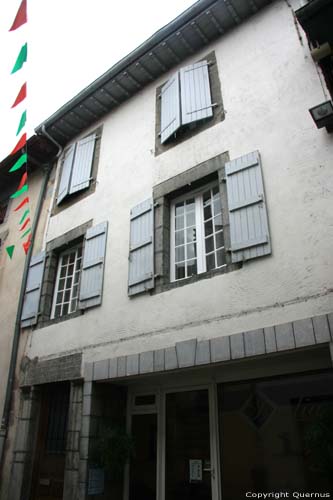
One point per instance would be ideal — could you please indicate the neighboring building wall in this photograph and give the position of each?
(10, 285)
(268, 83)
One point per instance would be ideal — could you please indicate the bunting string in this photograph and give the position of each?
(21, 146)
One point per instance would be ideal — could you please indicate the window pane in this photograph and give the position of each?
(59, 298)
(64, 259)
(77, 277)
(73, 305)
(179, 208)
(65, 309)
(217, 204)
(67, 295)
(75, 290)
(69, 282)
(191, 251)
(72, 257)
(191, 234)
(179, 222)
(208, 227)
(57, 311)
(190, 219)
(180, 271)
(61, 284)
(207, 212)
(63, 272)
(206, 196)
(190, 204)
(180, 254)
(219, 240)
(209, 244)
(70, 270)
(210, 261)
(220, 258)
(179, 237)
(218, 223)
(191, 267)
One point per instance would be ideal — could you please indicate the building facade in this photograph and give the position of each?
(183, 290)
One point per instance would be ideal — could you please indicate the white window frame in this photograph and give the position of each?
(197, 194)
(57, 280)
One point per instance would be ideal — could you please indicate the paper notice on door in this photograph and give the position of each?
(195, 470)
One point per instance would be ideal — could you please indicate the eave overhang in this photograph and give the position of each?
(316, 18)
(195, 28)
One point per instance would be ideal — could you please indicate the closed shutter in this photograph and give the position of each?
(91, 284)
(196, 101)
(170, 108)
(33, 290)
(81, 172)
(66, 174)
(249, 233)
(141, 253)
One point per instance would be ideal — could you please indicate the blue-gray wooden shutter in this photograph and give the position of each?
(81, 171)
(196, 101)
(141, 252)
(66, 172)
(170, 108)
(92, 273)
(249, 233)
(33, 290)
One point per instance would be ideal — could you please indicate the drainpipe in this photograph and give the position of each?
(17, 328)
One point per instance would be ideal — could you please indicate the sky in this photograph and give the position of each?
(70, 44)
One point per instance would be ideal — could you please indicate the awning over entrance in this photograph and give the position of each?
(192, 353)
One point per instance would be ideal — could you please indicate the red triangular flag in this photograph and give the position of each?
(22, 181)
(21, 143)
(21, 16)
(27, 244)
(25, 224)
(26, 200)
(21, 95)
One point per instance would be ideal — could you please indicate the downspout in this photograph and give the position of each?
(17, 328)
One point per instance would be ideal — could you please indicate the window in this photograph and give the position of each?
(66, 293)
(79, 168)
(67, 278)
(188, 102)
(197, 241)
(202, 222)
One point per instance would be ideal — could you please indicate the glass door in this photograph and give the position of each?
(189, 471)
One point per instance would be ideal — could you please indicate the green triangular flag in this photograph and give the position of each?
(24, 216)
(10, 250)
(21, 161)
(21, 58)
(19, 192)
(27, 232)
(22, 122)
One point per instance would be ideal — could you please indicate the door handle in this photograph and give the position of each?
(211, 470)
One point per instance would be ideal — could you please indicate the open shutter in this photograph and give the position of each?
(91, 285)
(81, 172)
(170, 108)
(33, 290)
(249, 233)
(141, 253)
(196, 101)
(66, 174)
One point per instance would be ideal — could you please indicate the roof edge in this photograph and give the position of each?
(121, 65)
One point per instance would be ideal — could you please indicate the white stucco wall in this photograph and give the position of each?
(268, 83)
